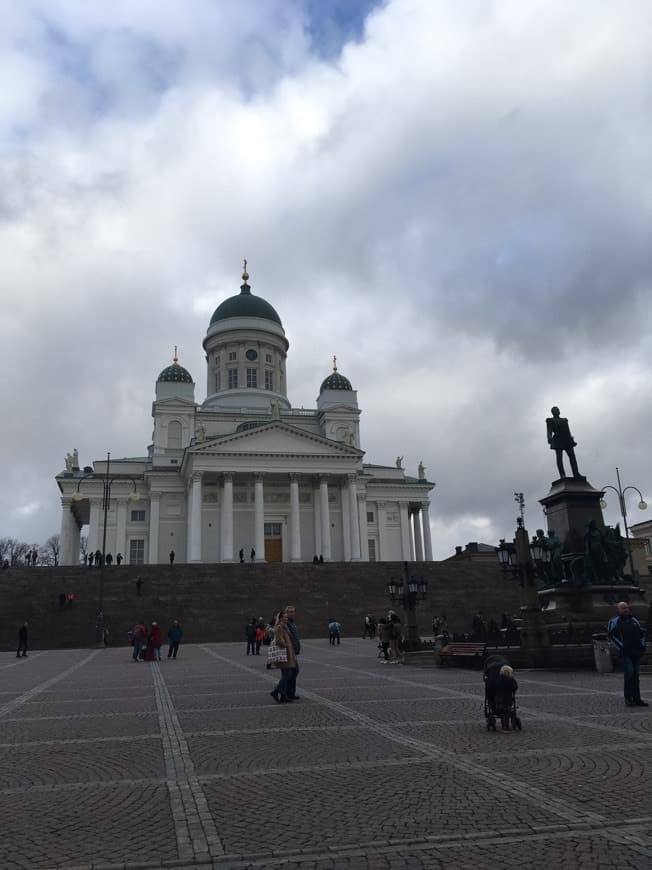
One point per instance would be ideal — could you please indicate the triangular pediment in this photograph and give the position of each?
(276, 439)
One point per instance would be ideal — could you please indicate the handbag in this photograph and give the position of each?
(276, 654)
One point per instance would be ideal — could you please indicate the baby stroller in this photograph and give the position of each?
(492, 710)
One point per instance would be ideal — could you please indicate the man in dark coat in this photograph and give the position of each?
(22, 641)
(296, 644)
(627, 635)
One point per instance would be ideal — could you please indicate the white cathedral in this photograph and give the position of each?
(244, 474)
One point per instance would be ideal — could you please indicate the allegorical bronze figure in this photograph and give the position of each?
(561, 441)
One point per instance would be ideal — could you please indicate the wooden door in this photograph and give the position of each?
(273, 550)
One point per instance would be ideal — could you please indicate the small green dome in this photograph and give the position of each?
(335, 381)
(175, 373)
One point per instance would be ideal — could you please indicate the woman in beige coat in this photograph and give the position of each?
(283, 639)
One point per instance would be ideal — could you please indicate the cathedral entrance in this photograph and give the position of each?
(273, 542)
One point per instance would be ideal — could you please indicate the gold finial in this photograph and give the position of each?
(175, 359)
(334, 363)
(245, 274)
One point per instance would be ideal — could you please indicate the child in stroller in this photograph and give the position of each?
(500, 694)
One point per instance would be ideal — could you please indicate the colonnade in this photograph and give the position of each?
(415, 537)
(351, 510)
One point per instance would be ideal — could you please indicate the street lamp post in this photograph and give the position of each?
(524, 560)
(642, 505)
(406, 595)
(107, 484)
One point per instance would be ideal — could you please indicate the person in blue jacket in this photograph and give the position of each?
(628, 636)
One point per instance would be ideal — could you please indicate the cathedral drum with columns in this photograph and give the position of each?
(244, 475)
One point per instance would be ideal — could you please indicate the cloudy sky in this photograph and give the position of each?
(453, 196)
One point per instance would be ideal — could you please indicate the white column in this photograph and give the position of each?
(195, 517)
(75, 539)
(295, 520)
(259, 518)
(406, 548)
(382, 521)
(418, 543)
(364, 534)
(121, 528)
(94, 525)
(346, 520)
(65, 536)
(325, 519)
(316, 518)
(355, 519)
(154, 519)
(227, 518)
(427, 539)
(410, 512)
(188, 517)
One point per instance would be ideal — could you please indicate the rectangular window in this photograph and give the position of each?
(252, 378)
(269, 379)
(136, 551)
(218, 381)
(233, 354)
(217, 360)
(138, 516)
(370, 516)
(372, 550)
(268, 358)
(233, 379)
(272, 530)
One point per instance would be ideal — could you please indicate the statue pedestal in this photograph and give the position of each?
(589, 605)
(570, 505)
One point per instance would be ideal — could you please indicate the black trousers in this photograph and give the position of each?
(174, 649)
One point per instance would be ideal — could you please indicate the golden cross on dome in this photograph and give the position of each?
(175, 359)
(245, 274)
(334, 363)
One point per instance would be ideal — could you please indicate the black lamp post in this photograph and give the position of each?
(107, 483)
(406, 595)
(524, 560)
(642, 505)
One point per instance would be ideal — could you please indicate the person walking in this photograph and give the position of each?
(283, 639)
(260, 633)
(138, 638)
(155, 641)
(175, 633)
(396, 636)
(171, 557)
(385, 632)
(118, 559)
(296, 645)
(628, 636)
(250, 632)
(22, 642)
(334, 629)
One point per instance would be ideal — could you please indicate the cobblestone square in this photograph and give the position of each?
(190, 763)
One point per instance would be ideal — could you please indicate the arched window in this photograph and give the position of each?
(174, 434)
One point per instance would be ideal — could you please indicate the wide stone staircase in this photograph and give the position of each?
(214, 602)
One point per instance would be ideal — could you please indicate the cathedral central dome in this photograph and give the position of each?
(245, 304)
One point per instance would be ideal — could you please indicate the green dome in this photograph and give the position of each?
(245, 304)
(335, 381)
(175, 374)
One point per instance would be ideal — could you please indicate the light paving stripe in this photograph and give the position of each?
(196, 834)
(26, 697)
(630, 833)
(20, 663)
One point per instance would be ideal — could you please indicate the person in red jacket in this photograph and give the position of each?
(155, 641)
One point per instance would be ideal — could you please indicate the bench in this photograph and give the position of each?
(465, 654)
